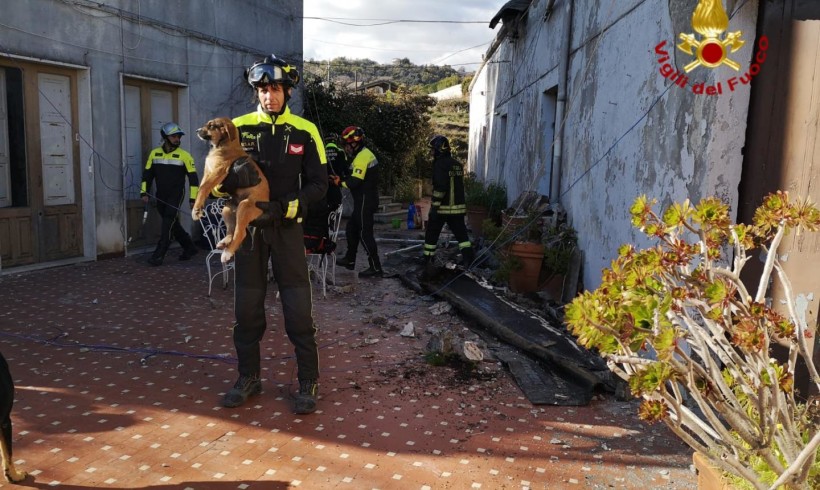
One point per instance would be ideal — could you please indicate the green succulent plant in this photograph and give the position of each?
(676, 321)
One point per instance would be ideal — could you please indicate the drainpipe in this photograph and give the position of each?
(560, 106)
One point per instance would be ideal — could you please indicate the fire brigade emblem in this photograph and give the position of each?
(710, 21)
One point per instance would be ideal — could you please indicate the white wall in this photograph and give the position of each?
(686, 147)
(453, 92)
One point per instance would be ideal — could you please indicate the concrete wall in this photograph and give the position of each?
(201, 46)
(453, 92)
(628, 131)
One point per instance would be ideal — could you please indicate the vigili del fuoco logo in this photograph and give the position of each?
(710, 50)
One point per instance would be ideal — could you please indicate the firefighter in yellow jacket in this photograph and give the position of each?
(168, 165)
(363, 183)
(290, 152)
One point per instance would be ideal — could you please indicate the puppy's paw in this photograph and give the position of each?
(197, 213)
(224, 242)
(17, 476)
(226, 256)
(13, 475)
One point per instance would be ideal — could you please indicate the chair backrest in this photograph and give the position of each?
(320, 238)
(213, 224)
(334, 220)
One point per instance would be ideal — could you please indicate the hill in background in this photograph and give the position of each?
(345, 72)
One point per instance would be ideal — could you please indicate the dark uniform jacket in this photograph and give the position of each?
(448, 185)
(337, 159)
(289, 151)
(337, 164)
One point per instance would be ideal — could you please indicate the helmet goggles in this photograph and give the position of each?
(272, 70)
(265, 74)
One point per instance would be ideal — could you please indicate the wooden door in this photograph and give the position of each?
(5, 163)
(147, 106)
(783, 145)
(60, 219)
(41, 219)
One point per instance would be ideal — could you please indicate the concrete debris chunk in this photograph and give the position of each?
(409, 330)
(393, 325)
(471, 351)
(441, 308)
(441, 341)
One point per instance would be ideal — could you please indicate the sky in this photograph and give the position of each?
(457, 45)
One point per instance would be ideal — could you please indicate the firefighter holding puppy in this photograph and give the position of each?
(290, 152)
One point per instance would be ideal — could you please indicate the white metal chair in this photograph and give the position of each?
(214, 229)
(318, 263)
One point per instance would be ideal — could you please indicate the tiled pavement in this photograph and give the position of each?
(120, 367)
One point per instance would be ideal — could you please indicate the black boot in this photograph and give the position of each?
(429, 269)
(244, 388)
(375, 269)
(306, 399)
(159, 254)
(467, 257)
(346, 262)
(188, 253)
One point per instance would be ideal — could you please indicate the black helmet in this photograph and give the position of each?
(169, 129)
(272, 70)
(331, 139)
(440, 144)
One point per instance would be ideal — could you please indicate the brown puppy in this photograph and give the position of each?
(241, 209)
(11, 473)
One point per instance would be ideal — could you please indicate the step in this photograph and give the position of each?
(389, 207)
(388, 216)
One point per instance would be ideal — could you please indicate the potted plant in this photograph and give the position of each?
(519, 250)
(560, 244)
(483, 201)
(676, 322)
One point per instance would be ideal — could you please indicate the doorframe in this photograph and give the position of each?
(85, 134)
(183, 119)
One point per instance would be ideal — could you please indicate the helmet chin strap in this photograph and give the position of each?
(167, 143)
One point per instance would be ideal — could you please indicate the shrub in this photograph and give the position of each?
(711, 339)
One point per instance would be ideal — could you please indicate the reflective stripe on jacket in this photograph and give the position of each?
(448, 185)
(289, 150)
(169, 171)
(364, 178)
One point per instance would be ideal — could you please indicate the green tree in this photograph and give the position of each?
(396, 127)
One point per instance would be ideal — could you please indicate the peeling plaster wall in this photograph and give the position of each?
(628, 131)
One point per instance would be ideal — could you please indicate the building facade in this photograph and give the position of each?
(85, 87)
(594, 103)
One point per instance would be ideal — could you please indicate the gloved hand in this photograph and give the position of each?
(271, 214)
(145, 198)
(292, 210)
(218, 193)
(191, 202)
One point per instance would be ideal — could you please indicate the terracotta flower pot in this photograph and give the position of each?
(709, 477)
(475, 219)
(525, 279)
(553, 285)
